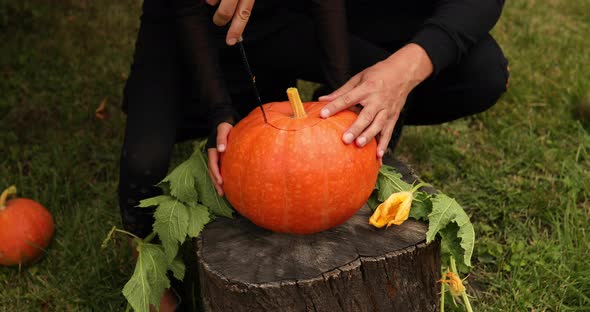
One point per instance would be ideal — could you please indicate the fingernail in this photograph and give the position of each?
(361, 141)
(348, 137)
(232, 41)
(221, 147)
(323, 97)
(324, 113)
(380, 153)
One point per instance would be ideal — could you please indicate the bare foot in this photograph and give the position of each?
(168, 303)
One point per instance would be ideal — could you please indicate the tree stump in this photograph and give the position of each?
(353, 267)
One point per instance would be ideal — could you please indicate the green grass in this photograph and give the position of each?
(521, 169)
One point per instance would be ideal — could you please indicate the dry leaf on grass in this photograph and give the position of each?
(102, 112)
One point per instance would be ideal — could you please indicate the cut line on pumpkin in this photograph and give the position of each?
(272, 119)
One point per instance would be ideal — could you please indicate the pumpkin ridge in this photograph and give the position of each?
(325, 190)
(254, 134)
(335, 122)
(285, 169)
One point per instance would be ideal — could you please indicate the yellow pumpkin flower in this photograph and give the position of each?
(455, 284)
(394, 210)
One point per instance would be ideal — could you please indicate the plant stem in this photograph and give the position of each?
(128, 233)
(10, 191)
(464, 294)
(419, 185)
(442, 297)
(149, 238)
(296, 104)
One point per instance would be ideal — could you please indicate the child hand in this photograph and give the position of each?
(223, 130)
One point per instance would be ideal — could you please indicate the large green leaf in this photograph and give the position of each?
(171, 224)
(444, 211)
(149, 279)
(373, 200)
(178, 268)
(421, 206)
(182, 181)
(207, 194)
(389, 182)
(451, 246)
(198, 217)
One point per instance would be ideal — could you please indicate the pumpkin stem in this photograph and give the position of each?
(11, 190)
(296, 104)
(421, 184)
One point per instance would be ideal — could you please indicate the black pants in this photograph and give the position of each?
(162, 110)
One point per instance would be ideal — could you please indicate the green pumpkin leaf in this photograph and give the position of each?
(373, 201)
(389, 182)
(207, 194)
(421, 206)
(198, 217)
(178, 268)
(444, 211)
(154, 201)
(149, 279)
(451, 246)
(182, 181)
(171, 224)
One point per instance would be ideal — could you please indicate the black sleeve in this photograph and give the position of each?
(200, 57)
(454, 27)
(329, 17)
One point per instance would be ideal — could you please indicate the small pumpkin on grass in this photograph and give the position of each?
(26, 228)
(294, 174)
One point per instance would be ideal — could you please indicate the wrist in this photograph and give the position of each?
(418, 64)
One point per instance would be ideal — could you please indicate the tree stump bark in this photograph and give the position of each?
(353, 267)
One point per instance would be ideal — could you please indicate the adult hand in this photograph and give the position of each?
(223, 130)
(236, 11)
(382, 90)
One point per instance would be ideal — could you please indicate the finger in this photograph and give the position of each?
(212, 2)
(385, 137)
(349, 85)
(214, 170)
(239, 21)
(374, 128)
(224, 12)
(222, 132)
(354, 96)
(364, 119)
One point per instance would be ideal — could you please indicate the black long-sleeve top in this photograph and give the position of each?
(446, 29)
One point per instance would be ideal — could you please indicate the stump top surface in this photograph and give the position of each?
(241, 251)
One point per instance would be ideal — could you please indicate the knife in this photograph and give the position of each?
(252, 77)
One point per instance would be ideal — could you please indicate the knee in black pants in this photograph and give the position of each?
(472, 86)
(141, 169)
(486, 71)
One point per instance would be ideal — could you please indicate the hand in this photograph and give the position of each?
(238, 11)
(223, 130)
(382, 90)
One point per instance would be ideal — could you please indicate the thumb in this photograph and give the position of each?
(223, 130)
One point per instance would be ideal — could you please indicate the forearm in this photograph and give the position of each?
(199, 55)
(454, 27)
(329, 17)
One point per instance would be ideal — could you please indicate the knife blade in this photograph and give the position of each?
(252, 77)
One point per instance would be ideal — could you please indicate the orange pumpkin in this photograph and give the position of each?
(26, 228)
(294, 174)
